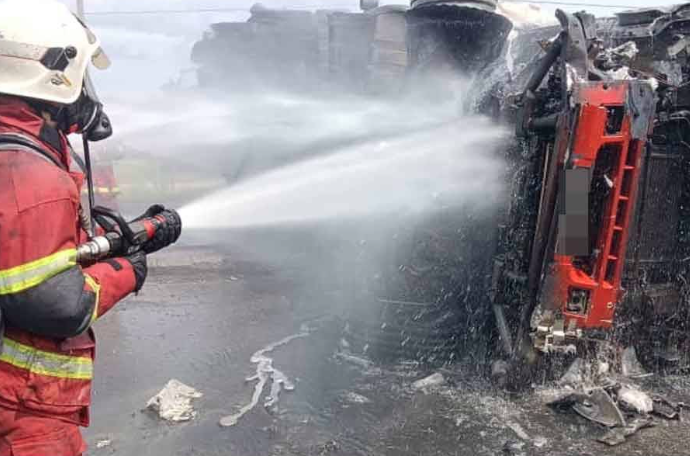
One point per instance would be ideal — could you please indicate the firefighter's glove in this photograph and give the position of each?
(141, 269)
(150, 212)
(167, 232)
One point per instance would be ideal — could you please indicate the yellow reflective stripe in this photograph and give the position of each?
(45, 363)
(29, 275)
(96, 289)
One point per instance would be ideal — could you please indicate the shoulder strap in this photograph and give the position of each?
(14, 141)
(78, 160)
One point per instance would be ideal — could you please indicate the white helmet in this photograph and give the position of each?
(45, 51)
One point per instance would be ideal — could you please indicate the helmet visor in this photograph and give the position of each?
(100, 59)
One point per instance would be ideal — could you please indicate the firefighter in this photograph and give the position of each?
(47, 301)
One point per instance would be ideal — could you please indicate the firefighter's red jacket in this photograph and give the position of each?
(39, 233)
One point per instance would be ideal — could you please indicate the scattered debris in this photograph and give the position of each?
(357, 398)
(596, 406)
(103, 443)
(635, 400)
(603, 368)
(613, 58)
(174, 402)
(265, 372)
(621, 74)
(328, 447)
(499, 373)
(630, 365)
(603, 405)
(566, 401)
(600, 408)
(618, 435)
(540, 442)
(666, 408)
(582, 372)
(573, 376)
(436, 379)
(518, 430)
(513, 447)
(355, 360)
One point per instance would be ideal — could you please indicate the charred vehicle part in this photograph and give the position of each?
(599, 207)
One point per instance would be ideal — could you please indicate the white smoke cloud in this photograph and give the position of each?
(149, 50)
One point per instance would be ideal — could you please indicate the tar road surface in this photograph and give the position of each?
(212, 302)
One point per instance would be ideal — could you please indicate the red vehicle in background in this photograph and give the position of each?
(105, 183)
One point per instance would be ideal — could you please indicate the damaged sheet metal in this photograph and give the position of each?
(575, 49)
(642, 104)
(600, 408)
(623, 409)
(595, 405)
(618, 435)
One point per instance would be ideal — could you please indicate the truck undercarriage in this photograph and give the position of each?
(592, 247)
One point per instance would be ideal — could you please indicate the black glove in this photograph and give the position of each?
(151, 212)
(168, 230)
(141, 269)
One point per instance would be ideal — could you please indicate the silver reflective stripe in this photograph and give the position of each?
(31, 274)
(45, 363)
(22, 50)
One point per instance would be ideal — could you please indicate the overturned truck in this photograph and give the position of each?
(593, 246)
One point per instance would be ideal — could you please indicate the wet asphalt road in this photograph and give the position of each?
(210, 304)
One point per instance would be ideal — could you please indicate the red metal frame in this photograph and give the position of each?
(591, 139)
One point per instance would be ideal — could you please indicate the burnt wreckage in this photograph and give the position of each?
(593, 244)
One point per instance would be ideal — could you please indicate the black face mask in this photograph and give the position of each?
(85, 116)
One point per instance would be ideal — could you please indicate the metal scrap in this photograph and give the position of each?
(635, 400)
(666, 408)
(595, 405)
(606, 406)
(618, 435)
(431, 381)
(615, 58)
(600, 408)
